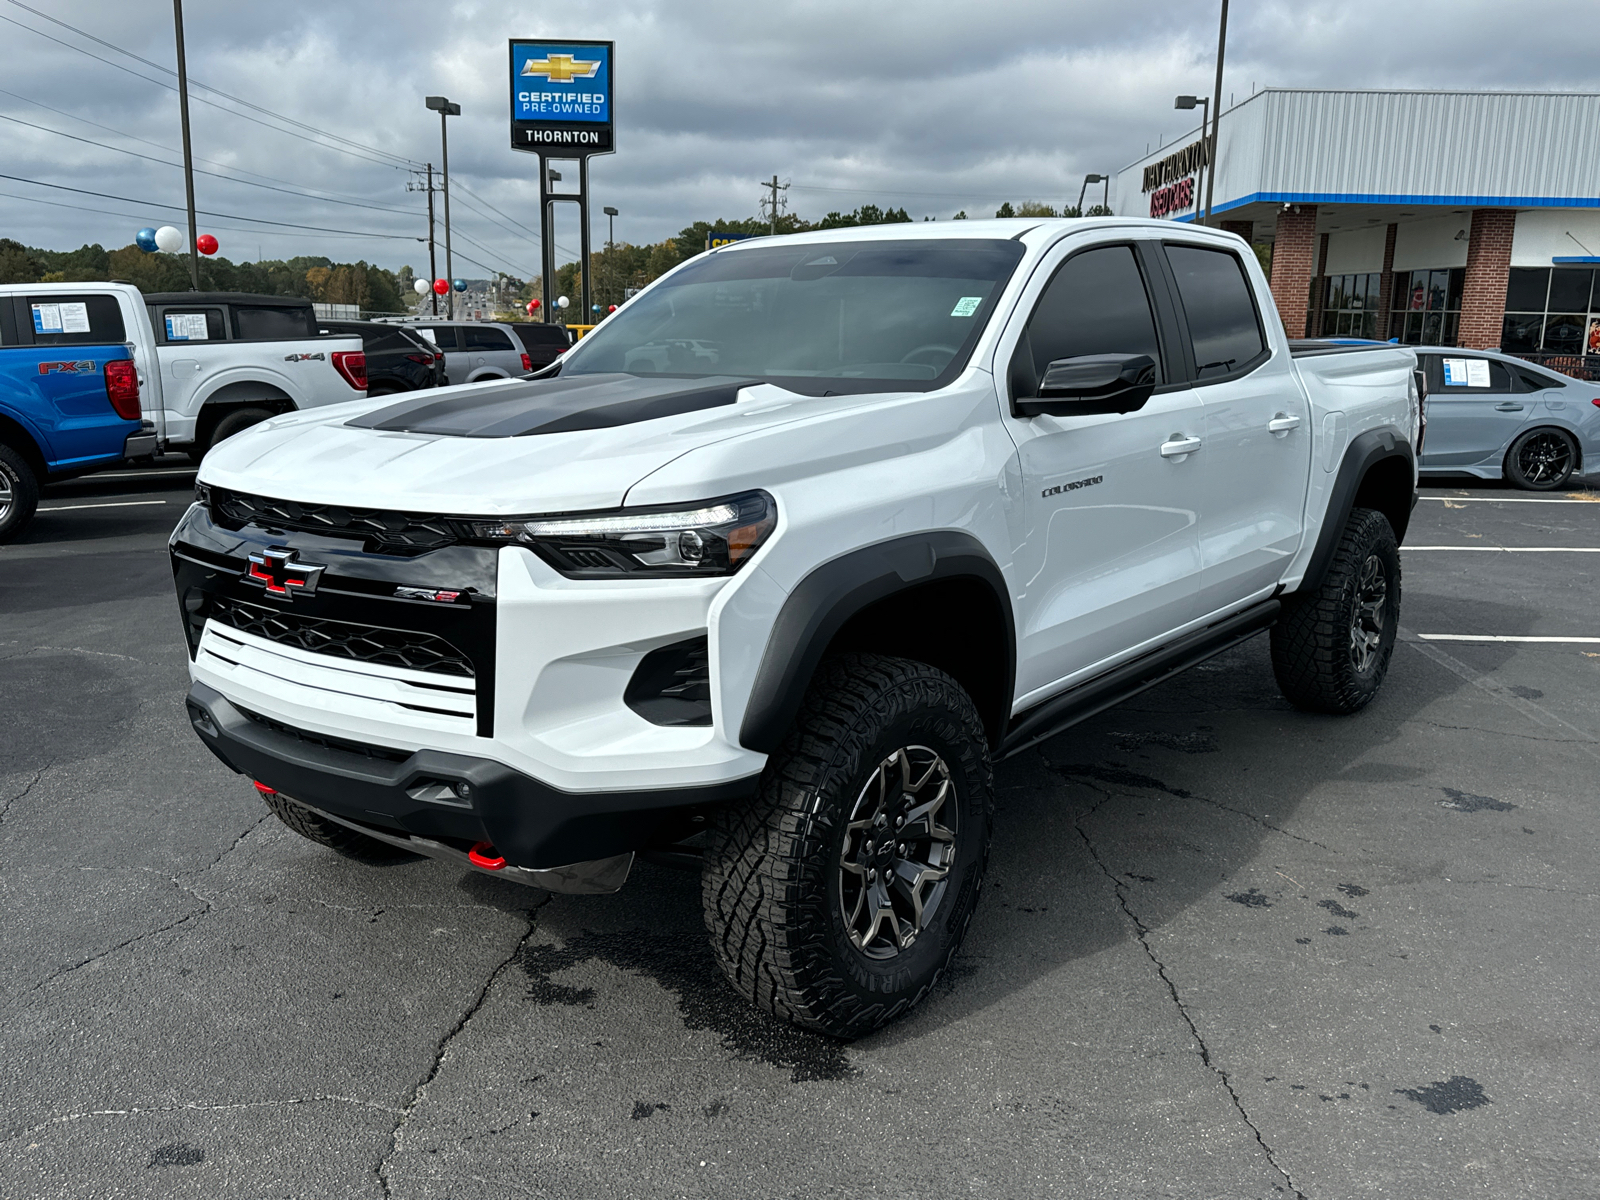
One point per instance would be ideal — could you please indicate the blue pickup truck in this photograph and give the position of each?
(69, 397)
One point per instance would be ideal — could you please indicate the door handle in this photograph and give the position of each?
(1508, 406)
(1282, 423)
(1179, 447)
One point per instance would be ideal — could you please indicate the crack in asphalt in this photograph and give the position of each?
(138, 1110)
(1528, 737)
(442, 1049)
(38, 775)
(1142, 931)
(1078, 772)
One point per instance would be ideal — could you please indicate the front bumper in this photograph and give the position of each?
(454, 800)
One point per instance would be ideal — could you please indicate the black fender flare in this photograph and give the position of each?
(821, 603)
(1365, 451)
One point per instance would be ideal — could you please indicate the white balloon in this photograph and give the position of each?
(561, 301)
(422, 287)
(169, 238)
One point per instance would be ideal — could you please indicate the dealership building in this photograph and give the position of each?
(1439, 218)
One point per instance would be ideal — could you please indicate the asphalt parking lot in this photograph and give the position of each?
(1229, 950)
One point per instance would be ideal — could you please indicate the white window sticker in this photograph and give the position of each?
(1455, 372)
(75, 317)
(428, 333)
(1477, 372)
(187, 327)
(47, 318)
(966, 306)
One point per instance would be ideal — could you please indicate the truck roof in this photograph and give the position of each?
(227, 298)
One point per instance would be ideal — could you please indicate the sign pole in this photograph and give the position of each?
(583, 239)
(1216, 110)
(547, 240)
(188, 156)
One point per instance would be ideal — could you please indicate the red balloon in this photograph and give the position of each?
(613, 308)
(206, 244)
(441, 286)
(533, 305)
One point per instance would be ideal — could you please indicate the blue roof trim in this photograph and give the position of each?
(1576, 258)
(1376, 198)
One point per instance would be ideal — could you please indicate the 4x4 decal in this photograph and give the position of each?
(319, 356)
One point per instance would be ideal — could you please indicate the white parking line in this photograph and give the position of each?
(1513, 500)
(114, 504)
(1514, 549)
(1500, 637)
(172, 474)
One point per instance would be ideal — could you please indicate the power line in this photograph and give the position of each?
(216, 91)
(244, 182)
(106, 212)
(201, 99)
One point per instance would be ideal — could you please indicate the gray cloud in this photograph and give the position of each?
(935, 105)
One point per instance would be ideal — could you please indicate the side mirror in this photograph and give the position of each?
(1090, 384)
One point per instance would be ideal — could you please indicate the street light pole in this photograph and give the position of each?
(611, 226)
(188, 156)
(1205, 144)
(446, 109)
(1216, 107)
(1084, 190)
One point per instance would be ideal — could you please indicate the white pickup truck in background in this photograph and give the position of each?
(214, 363)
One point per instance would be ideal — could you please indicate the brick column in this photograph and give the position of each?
(1292, 254)
(1386, 285)
(1243, 228)
(1483, 291)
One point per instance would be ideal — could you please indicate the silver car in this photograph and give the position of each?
(476, 350)
(1495, 416)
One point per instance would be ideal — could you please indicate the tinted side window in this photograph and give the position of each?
(1537, 381)
(1095, 304)
(74, 320)
(190, 325)
(479, 337)
(1223, 326)
(272, 324)
(543, 335)
(443, 336)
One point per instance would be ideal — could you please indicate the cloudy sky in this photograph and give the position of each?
(931, 104)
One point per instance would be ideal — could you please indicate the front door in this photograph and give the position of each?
(1475, 407)
(1106, 555)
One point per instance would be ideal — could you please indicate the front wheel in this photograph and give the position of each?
(1542, 460)
(1332, 645)
(838, 896)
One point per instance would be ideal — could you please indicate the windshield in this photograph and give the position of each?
(817, 318)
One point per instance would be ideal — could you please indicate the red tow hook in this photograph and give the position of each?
(265, 790)
(484, 855)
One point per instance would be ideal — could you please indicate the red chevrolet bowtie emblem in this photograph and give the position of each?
(280, 575)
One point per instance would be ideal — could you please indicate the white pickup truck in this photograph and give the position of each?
(768, 571)
(214, 363)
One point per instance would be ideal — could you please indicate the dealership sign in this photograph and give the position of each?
(561, 97)
(1170, 182)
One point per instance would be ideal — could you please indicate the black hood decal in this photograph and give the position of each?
(553, 405)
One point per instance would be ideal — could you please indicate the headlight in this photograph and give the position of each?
(715, 537)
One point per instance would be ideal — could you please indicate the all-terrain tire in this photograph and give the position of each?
(19, 494)
(1332, 645)
(774, 889)
(336, 837)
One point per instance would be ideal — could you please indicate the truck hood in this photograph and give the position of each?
(498, 449)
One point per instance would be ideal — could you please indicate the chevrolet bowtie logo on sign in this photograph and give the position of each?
(277, 573)
(561, 68)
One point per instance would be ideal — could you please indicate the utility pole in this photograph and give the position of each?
(775, 188)
(1216, 110)
(188, 156)
(433, 266)
(446, 109)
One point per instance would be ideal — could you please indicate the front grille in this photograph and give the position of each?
(394, 531)
(382, 753)
(345, 639)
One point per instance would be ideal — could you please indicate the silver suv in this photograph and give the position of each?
(476, 350)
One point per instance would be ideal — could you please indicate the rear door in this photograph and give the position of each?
(181, 330)
(1257, 457)
(491, 349)
(1476, 405)
(1106, 556)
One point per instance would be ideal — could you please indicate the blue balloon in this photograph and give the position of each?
(145, 239)
(596, 308)
(461, 285)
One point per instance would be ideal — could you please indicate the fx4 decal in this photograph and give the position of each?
(1070, 487)
(83, 366)
(319, 356)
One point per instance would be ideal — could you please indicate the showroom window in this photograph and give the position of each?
(1426, 310)
(1551, 309)
(1350, 305)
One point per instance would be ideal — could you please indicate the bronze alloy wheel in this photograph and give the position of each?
(895, 861)
(1367, 617)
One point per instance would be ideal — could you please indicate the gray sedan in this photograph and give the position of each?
(1496, 416)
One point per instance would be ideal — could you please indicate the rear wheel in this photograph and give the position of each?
(236, 421)
(1542, 460)
(19, 494)
(838, 896)
(341, 839)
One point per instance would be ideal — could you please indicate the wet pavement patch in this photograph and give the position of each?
(1338, 909)
(1467, 802)
(1186, 743)
(1448, 1095)
(178, 1154)
(682, 964)
(1251, 899)
(1354, 891)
